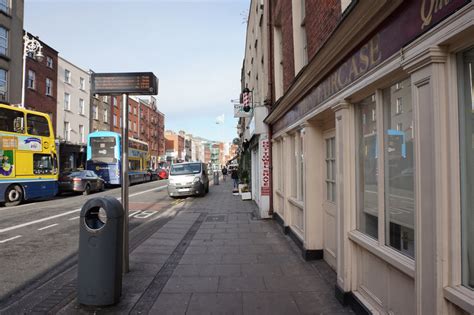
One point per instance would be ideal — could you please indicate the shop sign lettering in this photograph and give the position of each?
(409, 21)
(265, 189)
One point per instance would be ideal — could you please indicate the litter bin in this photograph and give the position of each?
(100, 252)
(216, 178)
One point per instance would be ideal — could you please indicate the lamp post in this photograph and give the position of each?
(34, 47)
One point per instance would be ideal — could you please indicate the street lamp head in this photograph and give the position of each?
(39, 56)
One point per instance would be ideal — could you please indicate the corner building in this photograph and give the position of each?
(372, 153)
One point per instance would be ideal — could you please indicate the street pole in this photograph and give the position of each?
(22, 105)
(125, 179)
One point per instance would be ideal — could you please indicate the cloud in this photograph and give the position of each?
(220, 119)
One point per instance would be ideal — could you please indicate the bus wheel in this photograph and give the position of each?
(13, 196)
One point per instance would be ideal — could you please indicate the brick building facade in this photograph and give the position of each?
(41, 83)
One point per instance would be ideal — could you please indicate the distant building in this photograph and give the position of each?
(102, 120)
(73, 112)
(11, 51)
(174, 146)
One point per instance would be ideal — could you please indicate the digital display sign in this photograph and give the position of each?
(131, 83)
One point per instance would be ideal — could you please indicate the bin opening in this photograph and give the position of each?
(95, 218)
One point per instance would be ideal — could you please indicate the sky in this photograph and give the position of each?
(194, 47)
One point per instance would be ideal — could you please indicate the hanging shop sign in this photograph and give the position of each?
(239, 111)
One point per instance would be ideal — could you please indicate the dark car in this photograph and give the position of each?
(153, 174)
(80, 181)
(162, 173)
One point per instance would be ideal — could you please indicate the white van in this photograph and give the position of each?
(187, 179)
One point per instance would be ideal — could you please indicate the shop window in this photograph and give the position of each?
(396, 189)
(300, 162)
(399, 169)
(331, 169)
(37, 125)
(293, 174)
(367, 216)
(466, 113)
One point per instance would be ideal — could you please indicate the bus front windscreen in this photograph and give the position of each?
(103, 149)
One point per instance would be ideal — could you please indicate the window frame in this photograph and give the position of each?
(82, 107)
(7, 7)
(7, 31)
(361, 236)
(67, 76)
(31, 81)
(49, 62)
(330, 159)
(4, 82)
(49, 87)
(67, 130)
(67, 101)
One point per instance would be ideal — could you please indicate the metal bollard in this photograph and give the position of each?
(216, 178)
(100, 252)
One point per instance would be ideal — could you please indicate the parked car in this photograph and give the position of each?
(83, 181)
(153, 174)
(188, 179)
(162, 173)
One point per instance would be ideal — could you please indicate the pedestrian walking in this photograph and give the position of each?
(224, 172)
(235, 178)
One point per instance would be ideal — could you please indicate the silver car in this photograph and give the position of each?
(82, 181)
(187, 179)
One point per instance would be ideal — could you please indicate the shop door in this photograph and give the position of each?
(329, 203)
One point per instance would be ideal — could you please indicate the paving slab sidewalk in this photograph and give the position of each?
(215, 258)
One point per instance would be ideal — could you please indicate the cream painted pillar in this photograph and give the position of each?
(346, 194)
(286, 181)
(431, 111)
(313, 191)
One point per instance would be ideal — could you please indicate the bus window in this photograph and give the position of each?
(55, 163)
(37, 125)
(11, 120)
(42, 164)
(103, 149)
(134, 165)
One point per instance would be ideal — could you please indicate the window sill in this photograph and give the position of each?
(5, 57)
(7, 14)
(297, 203)
(460, 296)
(390, 256)
(279, 193)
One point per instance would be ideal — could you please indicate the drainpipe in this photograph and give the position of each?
(270, 96)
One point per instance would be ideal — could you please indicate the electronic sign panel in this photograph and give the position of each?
(131, 83)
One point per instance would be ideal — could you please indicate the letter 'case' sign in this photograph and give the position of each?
(132, 83)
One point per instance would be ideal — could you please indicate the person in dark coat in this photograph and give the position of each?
(224, 172)
(235, 177)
